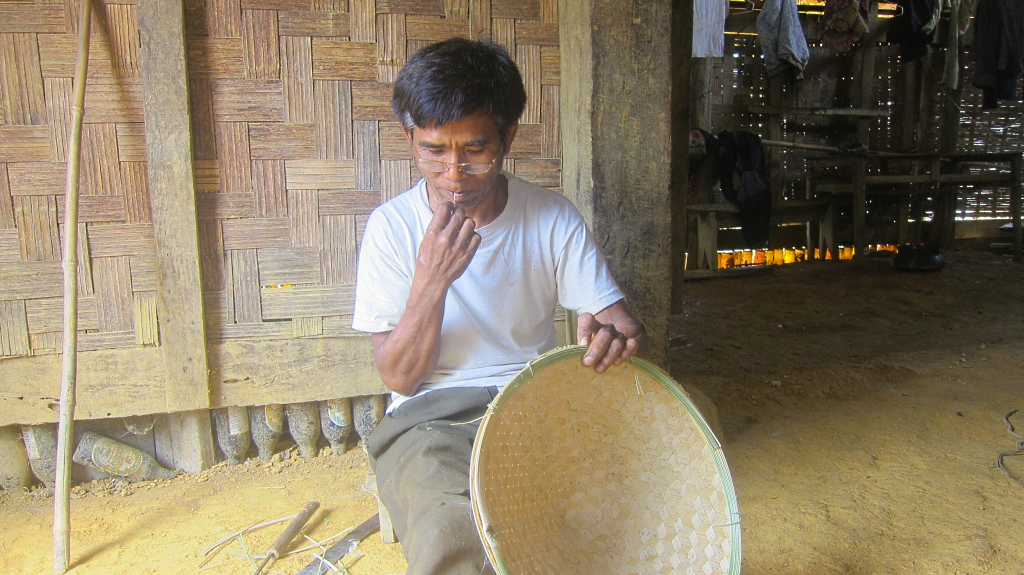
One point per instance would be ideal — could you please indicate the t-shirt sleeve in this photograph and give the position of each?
(382, 281)
(585, 284)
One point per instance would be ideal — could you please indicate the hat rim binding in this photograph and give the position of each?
(480, 514)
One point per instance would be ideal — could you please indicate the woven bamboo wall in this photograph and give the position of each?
(294, 144)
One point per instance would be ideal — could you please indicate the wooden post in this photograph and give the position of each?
(1015, 192)
(69, 364)
(164, 79)
(617, 136)
(866, 70)
(859, 207)
(683, 91)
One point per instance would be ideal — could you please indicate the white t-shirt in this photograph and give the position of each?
(500, 313)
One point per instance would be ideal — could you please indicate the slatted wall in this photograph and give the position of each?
(294, 144)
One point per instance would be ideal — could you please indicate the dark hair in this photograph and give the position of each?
(450, 80)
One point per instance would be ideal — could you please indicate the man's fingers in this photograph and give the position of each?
(615, 346)
(585, 328)
(599, 345)
(442, 214)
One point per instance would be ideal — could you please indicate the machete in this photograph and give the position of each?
(343, 547)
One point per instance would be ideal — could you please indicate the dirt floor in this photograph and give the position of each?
(863, 413)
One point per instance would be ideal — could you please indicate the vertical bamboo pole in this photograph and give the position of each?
(69, 365)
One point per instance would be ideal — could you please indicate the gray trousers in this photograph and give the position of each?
(421, 453)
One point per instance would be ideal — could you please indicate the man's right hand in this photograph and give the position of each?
(448, 246)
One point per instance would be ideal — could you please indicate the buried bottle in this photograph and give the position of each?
(15, 471)
(266, 423)
(41, 446)
(118, 458)
(367, 411)
(336, 421)
(232, 425)
(304, 426)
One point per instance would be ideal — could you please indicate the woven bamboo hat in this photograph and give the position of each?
(614, 473)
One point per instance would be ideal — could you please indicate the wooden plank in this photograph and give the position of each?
(342, 367)
(25, 144)
(58, 112)
(297, 79)
(260, 51)
(277, 5)
(307, 301)
(320, 174)
(247, 100)
(204, 136)
(544, 173)
(224, 18)
(429, 7)
(95, 209)
(338, 60)
(322, 24)
(245, 285)
(101, 171)
(338, 256)
(393, 143)
(372, 101)
(528, 59)
(169, 160)
(332, 107)
(191, 436)
(13, 329)
(31, 280)
(10, 246)
(276, 141)
(21, 80)
(394, 179)
(268, 186)
(362, 21)
(37, 178)
(123, 31)
(122, 240)
(207, 175)
(550, 117)
(302, 214)
(144, 273)
(136, 193)
(233, 157)
(109, 100)
(391, 47)
(256, 233)
(336, 203)
(798, 111)
(131, 142)
(113, 284)
(503, 33)
(432, 28)
(367, 152)
(299, 265)
(146, 331)
(36, 218)
(307, 327)
(6, 202)
(225, 206)
(550, 66)
(274, 330)
(41, 19)
(106, 340)
(215, 57)
(220, 310)
(480, 19)
(539, 33)
(519, 9)
(529, 142)
(47, 314)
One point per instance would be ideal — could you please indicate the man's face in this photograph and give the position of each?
(474, 139)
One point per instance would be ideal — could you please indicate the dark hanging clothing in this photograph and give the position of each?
(908, 29)
(998, 50)
(743, 176)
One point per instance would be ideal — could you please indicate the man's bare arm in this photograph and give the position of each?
(408, 354)
(612, 335)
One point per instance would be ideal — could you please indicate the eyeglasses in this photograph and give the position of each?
(468, 168)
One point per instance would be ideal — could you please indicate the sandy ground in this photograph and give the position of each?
(863, 413)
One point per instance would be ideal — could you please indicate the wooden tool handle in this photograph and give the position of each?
(293, 529)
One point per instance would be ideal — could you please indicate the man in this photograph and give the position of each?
(458, 280)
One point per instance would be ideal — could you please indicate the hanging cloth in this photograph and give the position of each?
(844, 23)
(709, 28)
(998, 50)
(908, 30)
(743, 177)
(782, 38)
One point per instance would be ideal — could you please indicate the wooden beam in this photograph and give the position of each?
(797, 111)
(126, 382)
(691, 102)
(172, 199)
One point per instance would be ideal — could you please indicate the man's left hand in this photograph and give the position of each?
(613, 335)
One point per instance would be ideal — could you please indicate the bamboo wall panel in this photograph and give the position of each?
(294, 144)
